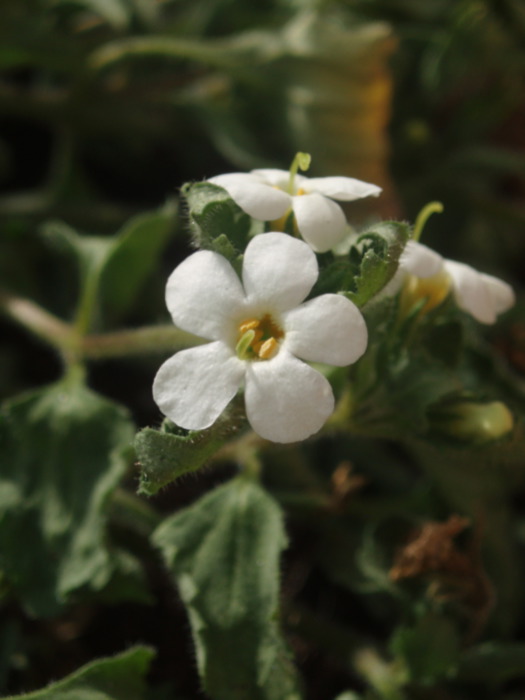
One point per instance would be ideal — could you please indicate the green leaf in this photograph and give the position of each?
(214, 215)
(493, 663)
(135, 251)
(113, 269)
(63, 450)
(370, 264)
(430, 649)
(115, 12)
(223, 552)
(118, 678)
(166, 455)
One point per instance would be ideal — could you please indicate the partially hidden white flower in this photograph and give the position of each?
(482, 296)
(265, 195)
(260, 332)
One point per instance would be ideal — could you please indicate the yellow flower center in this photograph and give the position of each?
(258, 338)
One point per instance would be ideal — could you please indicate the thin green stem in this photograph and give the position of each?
(423, 216)
(139, 341)
(65, 338)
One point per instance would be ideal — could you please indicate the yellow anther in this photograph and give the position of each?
(258, 338)
(300, 191)
(249, 325)
(267, 349)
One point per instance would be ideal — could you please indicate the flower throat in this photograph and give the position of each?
(258, 338)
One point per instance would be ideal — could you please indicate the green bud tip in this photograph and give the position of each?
(423, 216)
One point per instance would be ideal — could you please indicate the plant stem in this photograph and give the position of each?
(139, 341)
(37, 320)
(73, 347)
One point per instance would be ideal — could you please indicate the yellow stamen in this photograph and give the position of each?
(249, 325)
(258, 338)
(267, 349)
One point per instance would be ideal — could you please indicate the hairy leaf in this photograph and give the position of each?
(370, 264)
(223, 552)
(62, 453)
(214, 215)
(166, 455)
(118, 678)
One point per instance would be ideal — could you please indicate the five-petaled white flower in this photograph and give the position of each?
(260, 331)
(482, 296)
(267, 195)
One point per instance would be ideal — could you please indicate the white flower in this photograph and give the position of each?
(265, 195)
(482, 296)
(258, 329)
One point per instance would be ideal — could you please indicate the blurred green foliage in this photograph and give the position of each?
(106, 108)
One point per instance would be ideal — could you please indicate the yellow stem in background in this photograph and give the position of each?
(423, 216)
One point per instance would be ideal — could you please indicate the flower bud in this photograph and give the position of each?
(471, 422)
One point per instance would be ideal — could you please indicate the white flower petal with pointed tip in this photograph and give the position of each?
(265, 195)
(261, 331)
(482, 296)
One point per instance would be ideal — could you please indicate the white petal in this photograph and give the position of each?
(329, 329)
(194, 386)
(321, 222)
(470, 291)
(203, 294)
(346, 189)
(278, 270)
(419, 260)
(277, 178)
(255, 197)
(286, 400)
(501, 293)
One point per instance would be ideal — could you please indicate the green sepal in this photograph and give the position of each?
(369, 265)
(430, 649)
(166, 454)
(223, 553)
(121, 677)
(215, 216)
(63, 451)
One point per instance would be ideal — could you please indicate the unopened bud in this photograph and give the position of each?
(471, 422)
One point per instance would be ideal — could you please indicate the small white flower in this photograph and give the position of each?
(482, 296)
(259, 331)
(266, 195)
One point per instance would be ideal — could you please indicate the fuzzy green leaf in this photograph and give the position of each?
(167, 454)
(214, 215)
(118, 678)
(63, 450)
(223, 553)
(370, 264)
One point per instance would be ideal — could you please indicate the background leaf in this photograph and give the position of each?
(117, 678)
(63, 450)
(223, 552)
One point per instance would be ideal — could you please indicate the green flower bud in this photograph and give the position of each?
(471, 422)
